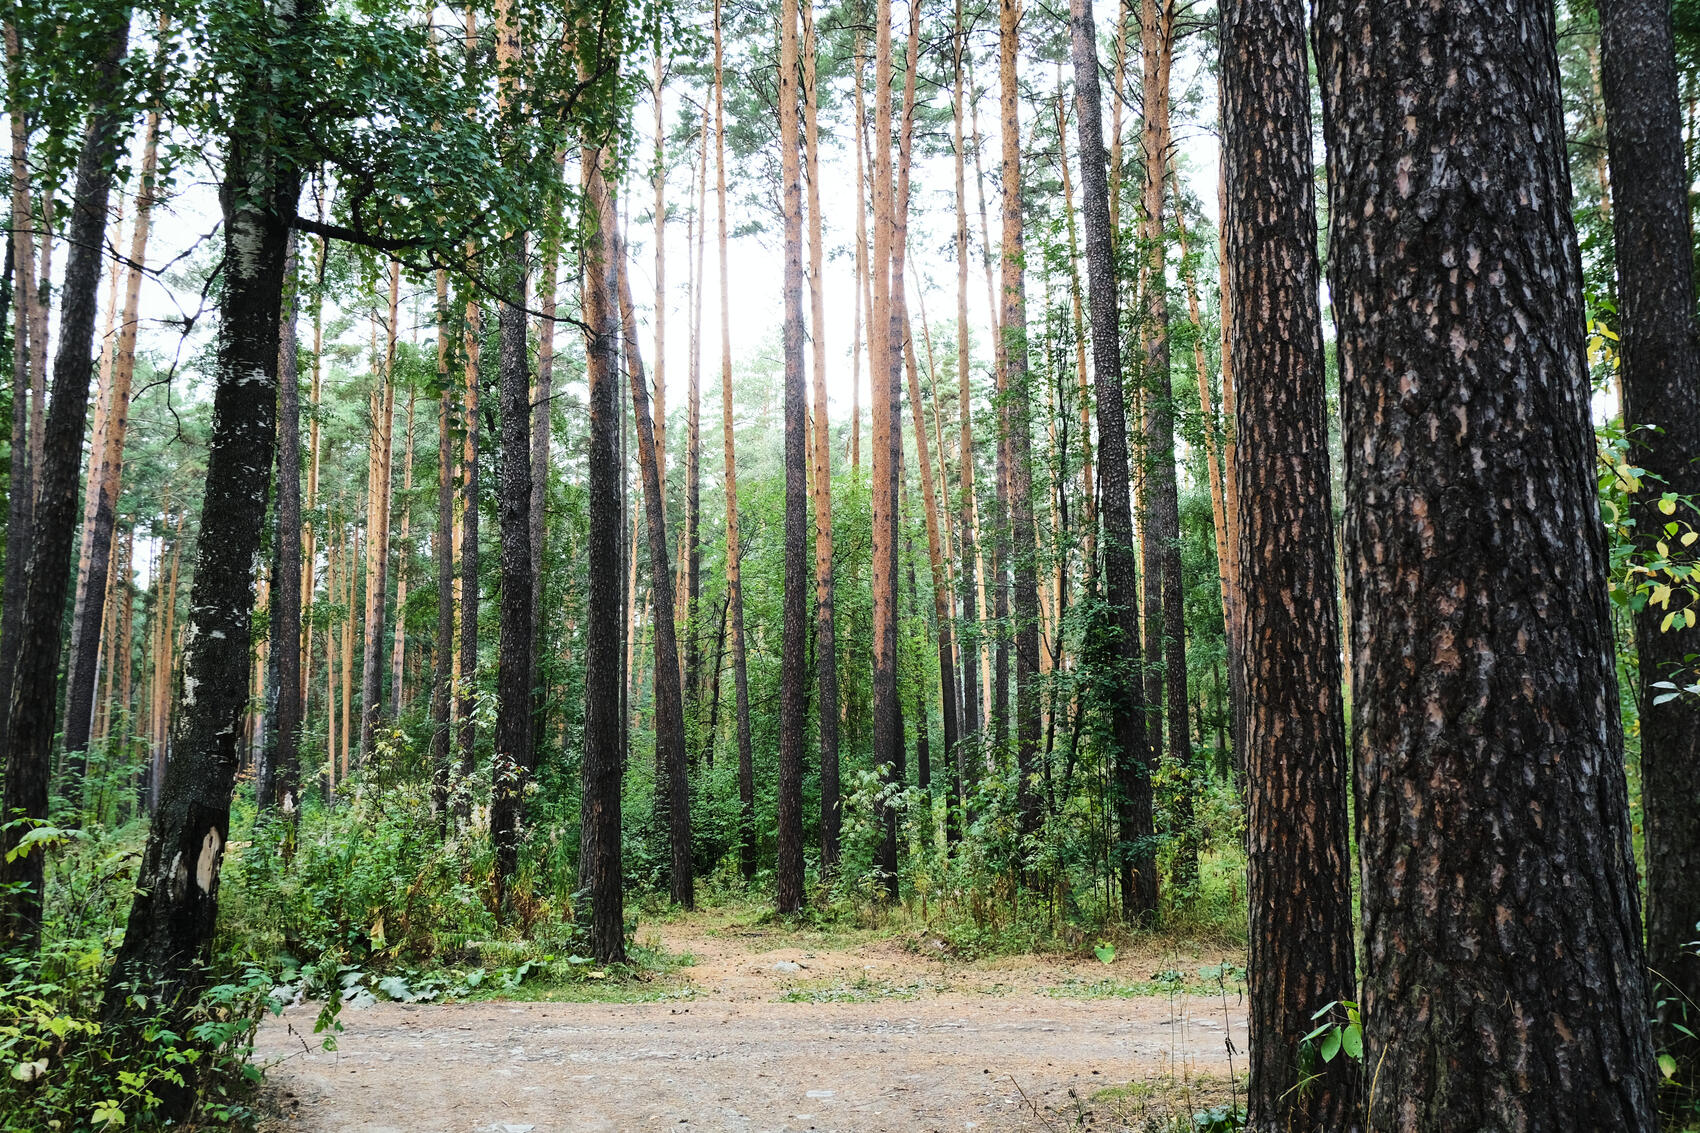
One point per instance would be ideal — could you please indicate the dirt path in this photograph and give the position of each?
(756, 1037)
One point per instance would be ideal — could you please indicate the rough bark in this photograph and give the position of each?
(1503, 982)
(1299, 886)
(280, 770)
(599, 808)
(1135, 859)
(1661, 389)
(1024, 634)
(442, 653)
(170, 930)
(32, 720)
(826, 640)
(512, 760)
(887, 721)
(793, 681)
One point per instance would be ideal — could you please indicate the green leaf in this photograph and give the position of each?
(1667, 1065)
(1352, 1039)
(1106, 953)
(1331, 1045)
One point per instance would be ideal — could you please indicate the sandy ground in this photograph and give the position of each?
(926, 1045)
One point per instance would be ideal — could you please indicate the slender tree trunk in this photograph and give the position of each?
(378, 494)
(1661, 389)
(280, 771)
(442, 691)
(1504, 983)
(826, 641)
(106, 463)
(32, 719)
(398, 641)
(693, 467)
(734, 585)
(599, 809)
(542, 406)
(1299, 882)
(669, 700)
(864, 284)
(20, 493)
(1019, 432)
(1115, 647)
(964, 761)
(793, 694)
(468, 681)
(168, 937)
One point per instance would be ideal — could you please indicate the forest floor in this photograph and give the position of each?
(765, 1028)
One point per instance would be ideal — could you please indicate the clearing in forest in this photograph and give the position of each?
(767, 1029)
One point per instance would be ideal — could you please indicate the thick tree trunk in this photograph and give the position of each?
(599, 808)
(31, 717)
(734, 584)
(887, 721)
(826, 640)
(280, 769)
(1504, 985)
(512, 759)
(1299, 884)
(1119, 651)
(1019, 430)
(1661, 389)
(793, 681)
(669, 701)
(170, 930)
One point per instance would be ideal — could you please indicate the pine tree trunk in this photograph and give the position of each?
(1503, 984)
(280, 769)
(513, 759)
(468, 679)
(378, 528)
(1019, 432)
(1299, 883)
(542, 406)
(793, 681)
(169, 934)
(669, 701)
(693, 471)
(32, 720)
(442, 654)
(734, 585)
(887, 721)
(20, 494)
(964, 762)
(826, 640)
(599, 839)
(864, 283)
(1661, 389)
(1116, 652)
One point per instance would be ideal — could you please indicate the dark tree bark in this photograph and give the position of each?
(32, 718)
(1136, 860)
(826, 637)
(669, 700)
(280, 771)
(1661, 390)
(442, 686)
(169, 935)
(466, 694)
(512, 761)
(599, 807)
(793, 681)
(1504, 985)
(1299, 887)
(1018, 429)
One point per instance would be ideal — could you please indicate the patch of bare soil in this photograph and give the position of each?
(769, 1035)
